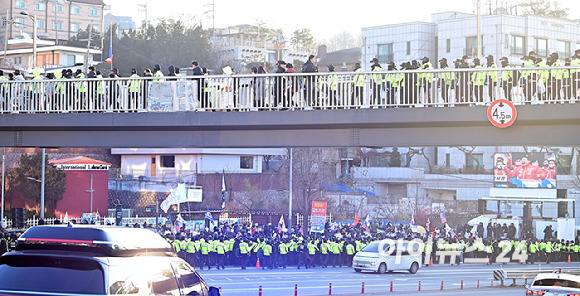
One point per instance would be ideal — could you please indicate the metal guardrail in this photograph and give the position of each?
(502, 275)
(294, 91)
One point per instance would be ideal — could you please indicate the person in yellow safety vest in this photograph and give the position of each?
(549, 249)
(506, 78)
(556, 82)
(244, 253)
(492, 77)
(332, 87)
(335, 256)
(533, 249)
(190, 252)
(447, 79)
(392, 83)
(376, 84)
(267, 255)
(478, 80)
(358, 87)
(99, 103)
(349, 252)
(157, 73)
(220, 249)
(324, 249)
(134, 91)
(312, 248)
(81, 86)
(204, 254)
(283, 251)
(425, 80)
(542, 79)
(529, 76)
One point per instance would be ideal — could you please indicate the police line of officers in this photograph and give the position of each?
(322, 251)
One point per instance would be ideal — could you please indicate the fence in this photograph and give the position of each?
(294, 91)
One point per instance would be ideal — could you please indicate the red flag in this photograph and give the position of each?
(109, 60)
(356, 220)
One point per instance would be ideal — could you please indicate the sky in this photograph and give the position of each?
(325, 18)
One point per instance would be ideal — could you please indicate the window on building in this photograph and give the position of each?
(471, 46)
(19, 22)
(474, 163)
(448, 46)
(40, 24)
(247, 162)
(57, 26)
(3, 23)
(70, 59)
(40, 6)
(167, 161)
(518, 45)
(75, 10)
(542, 47)
(397, 190)
(93, 12)
(21, 4)
(447, 160)
(563, 164)
(385, 53)
(563, 48)
(408, 47)
(57, 8)
(75, 27)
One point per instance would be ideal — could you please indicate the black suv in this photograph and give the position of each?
(86, 260)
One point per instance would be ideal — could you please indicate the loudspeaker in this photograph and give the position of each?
(481, 206)
(18, 217)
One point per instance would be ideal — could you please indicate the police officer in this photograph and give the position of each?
(463, 83)
(492, 77)
(507, 85)
(575, 73)
(332, 87)
(358, 86)
(134, 90)
(447, 80)
(478, 80)
(426, 79)
(376, 82)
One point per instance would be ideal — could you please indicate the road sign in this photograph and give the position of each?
(502, 113)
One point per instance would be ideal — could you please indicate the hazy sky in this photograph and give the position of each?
(325, 18)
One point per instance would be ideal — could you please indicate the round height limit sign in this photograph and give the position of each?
(502, 113)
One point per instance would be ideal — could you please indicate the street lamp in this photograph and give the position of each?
(33, 18)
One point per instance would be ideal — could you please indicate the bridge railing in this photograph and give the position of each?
(296, 91)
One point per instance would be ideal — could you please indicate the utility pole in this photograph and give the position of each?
(3, 167)
(88, 47)
(8, 22)
(479, 29)
(290, 193)
(90, 191)
(144, 8)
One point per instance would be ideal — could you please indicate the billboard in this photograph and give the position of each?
(524, 170)
(318, 216)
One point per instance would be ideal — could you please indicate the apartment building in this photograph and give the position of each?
(56, 20)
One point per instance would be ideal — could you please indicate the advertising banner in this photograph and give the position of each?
(318, 216)
(524, 170)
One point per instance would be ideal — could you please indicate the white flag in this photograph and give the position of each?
(178, 195)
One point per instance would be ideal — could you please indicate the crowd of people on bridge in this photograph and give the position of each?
(387, 87)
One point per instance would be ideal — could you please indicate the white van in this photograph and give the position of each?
(389, 255)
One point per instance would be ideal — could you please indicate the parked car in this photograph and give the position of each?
(388, 255)
(549, 284)
(92, 260)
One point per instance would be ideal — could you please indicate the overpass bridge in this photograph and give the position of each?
(348, 109)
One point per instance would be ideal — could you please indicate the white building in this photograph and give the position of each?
(446, 178)
(171, 164)
(452, 34)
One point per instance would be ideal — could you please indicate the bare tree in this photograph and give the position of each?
(342, 40)
(421, 152)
